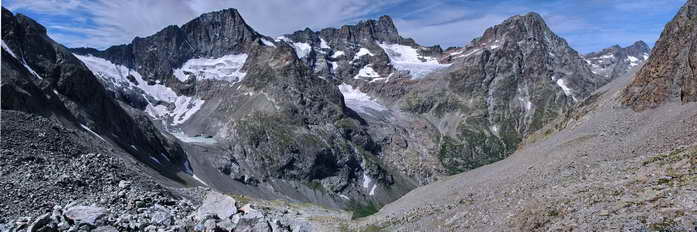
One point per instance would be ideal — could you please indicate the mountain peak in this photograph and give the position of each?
(382, 30)
(519, 27)
(529, 17)
(229, 12)
(386, 20)
(534, 15)
(641, 45)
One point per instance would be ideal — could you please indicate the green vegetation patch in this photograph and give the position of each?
(360, 209)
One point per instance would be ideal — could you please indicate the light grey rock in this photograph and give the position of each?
(124, 184)
(40, 222)
(105, 229)
(160, 215)
(210, 225)
(85, 214)
(250, 213)
(216, 204)
(5, 227)
(151, 228)
(227, 224)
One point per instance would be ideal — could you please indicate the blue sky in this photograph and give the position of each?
(588, 25)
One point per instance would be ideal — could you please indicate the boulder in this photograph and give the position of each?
(85, 214)
(216, 204)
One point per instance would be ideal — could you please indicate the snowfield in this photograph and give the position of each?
(362, 52)
(302, 49)
(359, 101)
(180, 108)
(366, 71)
(226, 68)
(405, 58)
(567, 91)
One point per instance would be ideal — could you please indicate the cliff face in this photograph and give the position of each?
(277, 123)
(40, 76)
(670, 73)
(502, 86)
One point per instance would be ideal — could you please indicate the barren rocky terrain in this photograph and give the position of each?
(213, 126)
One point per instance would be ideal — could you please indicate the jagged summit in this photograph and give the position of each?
(669, 74)
(616, 61)
(382, 29)
(640, 45)
(530, 25)
(213, 34)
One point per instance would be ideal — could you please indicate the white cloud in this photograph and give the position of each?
(587, 24)
(118, 22)
(455, 33)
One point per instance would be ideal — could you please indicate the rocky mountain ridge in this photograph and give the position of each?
(502, 86)
(351, 118)
(293, 138)
(373, 66)
(42, 77)
(616, 61)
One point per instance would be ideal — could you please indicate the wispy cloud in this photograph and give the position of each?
(108, 22)
(588, 25)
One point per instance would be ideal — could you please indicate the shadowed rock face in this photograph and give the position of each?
(671, 72)
(473, 109)
(42, 77)
(279, 127)
(617, 61)
(211, 35)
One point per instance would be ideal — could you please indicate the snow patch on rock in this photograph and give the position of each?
(323, 44)
(92, 132)
(181, 107)
(337, 54)
(366, 71)
(4, 46)
(359, 101)
(302, 49)
(567, 91)
(268, 43)
(24, 62)
(226, 68)
(633, 61)
(406, 58)
(199, 180)
(193, 139)
(362, 52)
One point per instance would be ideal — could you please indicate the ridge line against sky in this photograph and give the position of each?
(588, 25)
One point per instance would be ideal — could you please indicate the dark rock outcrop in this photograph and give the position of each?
(40, 76)
(280, 122)
(670, 74)
(212, 34)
